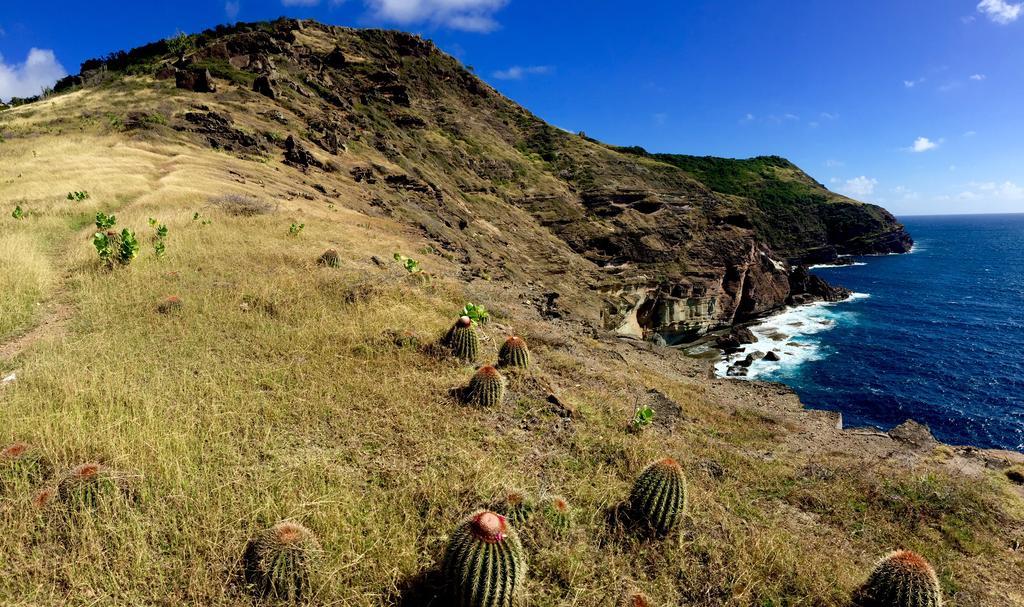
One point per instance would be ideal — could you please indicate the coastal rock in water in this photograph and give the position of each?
(805, 287)
(744, 335)
(736, 371)
(772, 356)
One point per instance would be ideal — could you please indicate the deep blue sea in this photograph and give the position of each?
(936, 335)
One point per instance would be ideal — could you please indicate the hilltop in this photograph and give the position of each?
(235, 381)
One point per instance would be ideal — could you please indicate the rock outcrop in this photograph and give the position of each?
(652, 246)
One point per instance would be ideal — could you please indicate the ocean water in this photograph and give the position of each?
(936, 335)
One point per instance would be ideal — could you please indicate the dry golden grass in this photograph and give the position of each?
(270, 395)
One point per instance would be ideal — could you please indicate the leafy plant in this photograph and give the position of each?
(116, 249)
(159, 248)
(295, 229)
(104, 221)
(478, 314)
(411, 265)
(180, 44)
(18, 212)
(78, 196)
(642, 417)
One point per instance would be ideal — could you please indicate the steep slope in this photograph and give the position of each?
(275, 388)
(797, 216)
(644, 245)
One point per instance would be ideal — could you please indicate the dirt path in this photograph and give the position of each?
(52, 325)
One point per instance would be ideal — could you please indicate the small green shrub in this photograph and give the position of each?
(180, 44)
(104, 221)
(116, 249)
(478, 314)
(642, 417)
(18, 212)
(295, 229)
(411, 265)
(78, 196)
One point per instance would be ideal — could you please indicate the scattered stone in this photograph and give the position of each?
(298, 156)
(772, 356)
(197, 80)
(361, 174)
(713, 469)
(736, 371)
(335, 59)
(1015, 474)
(263, 86)
(380, 263)
(913, 433)
(562, 408)
(9, 379)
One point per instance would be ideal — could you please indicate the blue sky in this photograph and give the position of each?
(916, 106)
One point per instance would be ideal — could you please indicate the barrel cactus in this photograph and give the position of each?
(487, 388)
(463, 340)
(631, 597)
(514, 353)
(279, 560)
(658, 499)
(558, 513)
(87, 485)
(901, 579)
(330, 259)
(484, 565)
(21, 463)
(517, 507)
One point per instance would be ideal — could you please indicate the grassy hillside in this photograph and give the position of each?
(277, 390)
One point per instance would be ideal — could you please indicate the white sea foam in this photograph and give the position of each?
(790, 335)
(818, 266)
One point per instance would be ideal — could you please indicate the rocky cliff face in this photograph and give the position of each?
(651, 246)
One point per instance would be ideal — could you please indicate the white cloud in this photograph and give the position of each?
(859, 187)
(1006, 190)
(829, 116)
(231, 8)
(1000, 11)
(970, 133)
(748, 118)
(905, 193)
(41, 69)
(923, 144)
(912, 83)
(967, 19)
(518, 72)
(978, 77)
(467, 15)
(660, 118)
